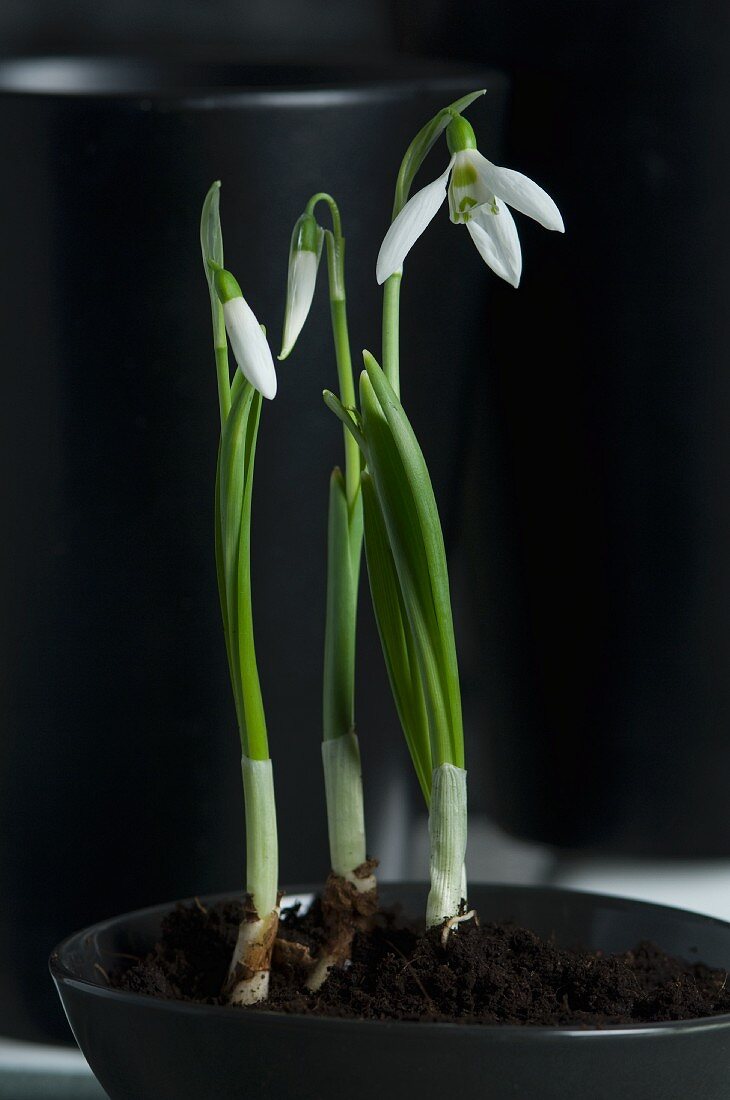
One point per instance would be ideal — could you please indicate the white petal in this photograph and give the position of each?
(495, 236)
(520, 192)
(250, 347)
(299, 293)
(408, 226)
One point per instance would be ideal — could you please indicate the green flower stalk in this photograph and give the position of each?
(350, 897)
(240, 410)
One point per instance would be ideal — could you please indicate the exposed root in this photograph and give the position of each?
(292, 953)
(349, 904)
(248, 977)
(452, 923)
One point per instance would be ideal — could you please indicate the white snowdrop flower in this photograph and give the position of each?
(480, 194)
(304, 255)
(248, 342)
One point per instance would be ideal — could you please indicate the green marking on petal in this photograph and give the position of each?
(464, 175)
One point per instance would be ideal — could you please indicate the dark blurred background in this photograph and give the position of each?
(579, 436)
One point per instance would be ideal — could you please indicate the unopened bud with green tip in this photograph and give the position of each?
(305, 251)
(248, 341)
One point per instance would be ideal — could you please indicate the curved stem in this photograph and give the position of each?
(338, 312)
(334, 210)
(340, 334)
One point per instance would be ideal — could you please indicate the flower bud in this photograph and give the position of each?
(248, 342)
(304, 255)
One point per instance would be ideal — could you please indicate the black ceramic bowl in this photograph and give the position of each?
(141, 1048)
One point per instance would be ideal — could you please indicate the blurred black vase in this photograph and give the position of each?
(602, 517)
(120, 779)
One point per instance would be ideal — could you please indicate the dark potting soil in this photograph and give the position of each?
(488, 974)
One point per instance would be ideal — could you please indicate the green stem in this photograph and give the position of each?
(341, 337)
(391, 327)
(338, 313)
(223, 376)
(340, 750)
(334, 209)
(345, 550)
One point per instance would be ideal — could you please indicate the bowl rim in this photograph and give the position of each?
(63, 975)
(359, 81)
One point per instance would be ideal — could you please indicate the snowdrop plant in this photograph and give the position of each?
(350, 896)
(404, 544)
(240, 409)
(384, 496)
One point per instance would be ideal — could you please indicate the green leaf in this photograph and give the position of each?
(211, 247)
(409, 508)
(422, 144)
(401, 522)
(220, 575)
(233, 515)
(253, 706)
(396, 638)
(339, 645)
(347, 416)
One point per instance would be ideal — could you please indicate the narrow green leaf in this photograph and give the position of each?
(211, 243)
(355, 536)
(220, 575)
(397, 502)
(396, 639)
(413, 509)
(339, 645)
(211, 247)
(406, 542)
(235, 481)
(253, 706)
(346, 416)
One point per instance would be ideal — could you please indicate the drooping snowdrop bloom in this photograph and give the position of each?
(304, 255)
(480, 195)
(248, 343)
